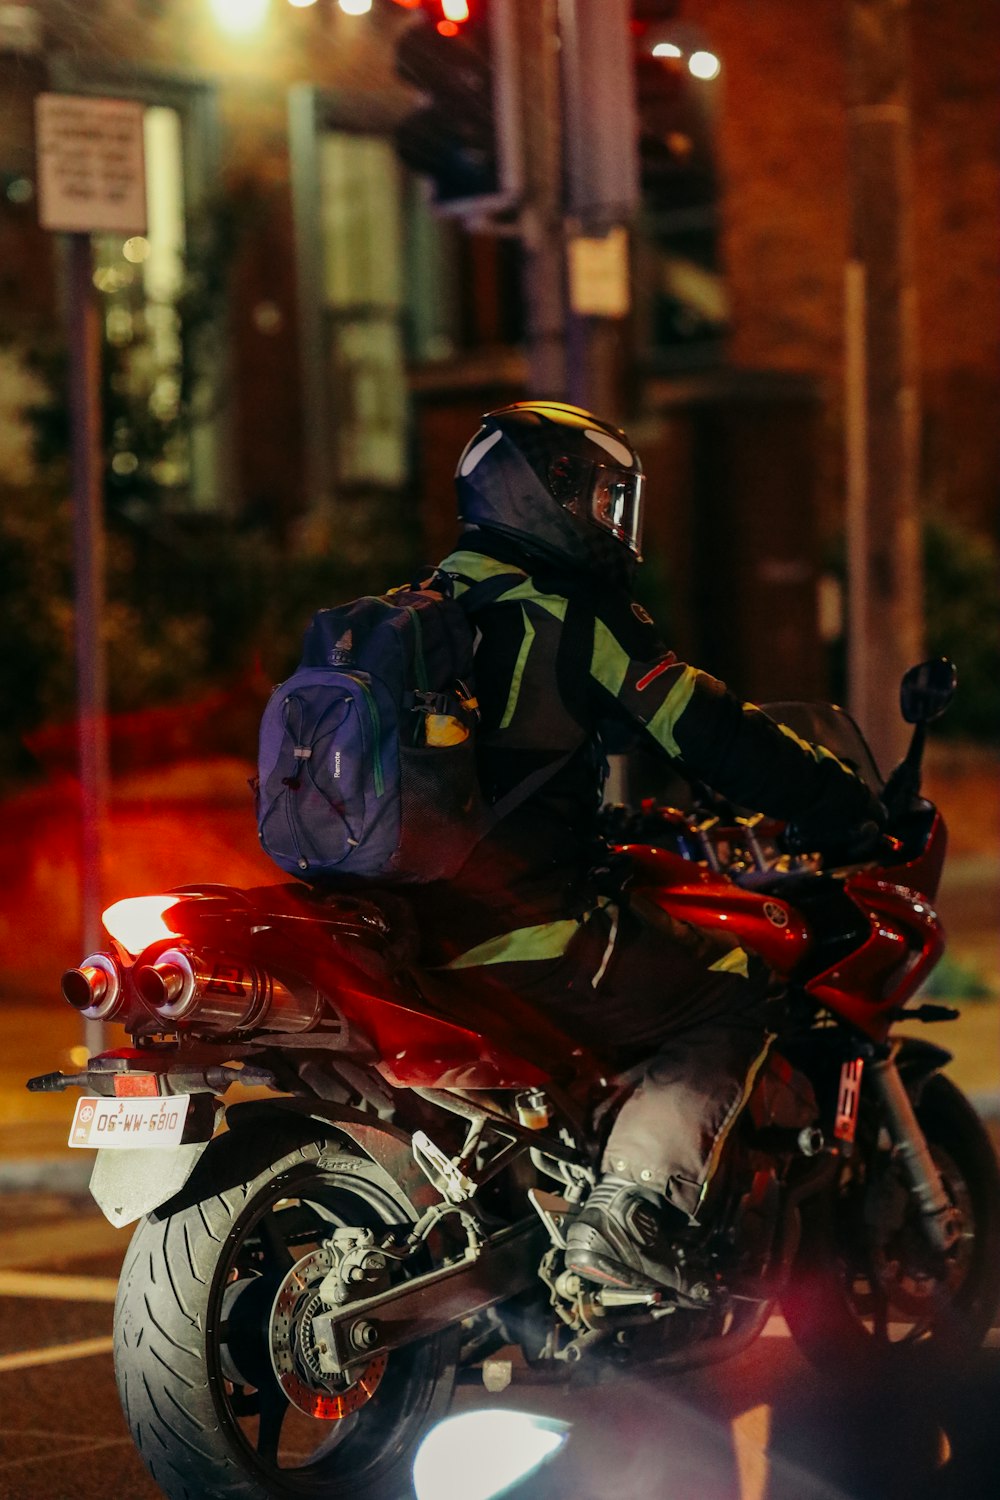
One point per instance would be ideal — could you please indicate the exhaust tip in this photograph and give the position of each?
(95, 988)
(151, 986)
(167, 986)
(83, 988)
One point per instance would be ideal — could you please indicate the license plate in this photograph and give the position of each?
(128, 1124)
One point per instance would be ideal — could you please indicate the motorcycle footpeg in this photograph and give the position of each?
(442, 1171)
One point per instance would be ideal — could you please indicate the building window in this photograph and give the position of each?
(362, 308)
(683, 300)
(387, 292)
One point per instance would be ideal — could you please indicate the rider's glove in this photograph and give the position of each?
(846, 846)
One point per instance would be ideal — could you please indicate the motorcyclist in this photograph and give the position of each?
(566, 660)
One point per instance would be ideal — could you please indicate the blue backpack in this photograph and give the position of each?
(367, 759)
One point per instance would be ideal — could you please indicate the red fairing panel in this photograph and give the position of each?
(414, 1048)
(905, 943)
(924, 873)
(417, 1050)
(763, 924)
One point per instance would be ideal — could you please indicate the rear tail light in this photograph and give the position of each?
(223, 994)
(95, 989)
(139, 921)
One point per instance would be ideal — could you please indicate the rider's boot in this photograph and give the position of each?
(621, 1238)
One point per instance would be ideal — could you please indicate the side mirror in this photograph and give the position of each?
(927, 690)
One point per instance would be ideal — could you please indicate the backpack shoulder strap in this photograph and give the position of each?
(477, 593)
(530, 785)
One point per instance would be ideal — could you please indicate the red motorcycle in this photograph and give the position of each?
(388, 1206)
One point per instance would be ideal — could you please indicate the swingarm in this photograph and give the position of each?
(488, 1273)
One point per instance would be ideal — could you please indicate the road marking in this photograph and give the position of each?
(78, 1448)
(64, 1239)
(27, 1359)
(751, 1435)
(58, 1288)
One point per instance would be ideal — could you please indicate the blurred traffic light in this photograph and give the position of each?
(459, 56)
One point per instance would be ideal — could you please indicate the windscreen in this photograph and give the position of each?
(832, 727)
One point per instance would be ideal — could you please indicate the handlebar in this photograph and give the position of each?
(755, 852)
(752, 850)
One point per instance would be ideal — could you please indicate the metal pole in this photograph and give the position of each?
(541, 222)
(601, 133)
(88, 549)
(885, 593)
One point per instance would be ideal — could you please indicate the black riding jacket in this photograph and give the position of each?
(564, 665)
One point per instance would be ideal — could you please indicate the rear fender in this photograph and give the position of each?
(126, 1185)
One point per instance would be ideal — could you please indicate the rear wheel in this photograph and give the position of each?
(217, 1368)
(868, 1285)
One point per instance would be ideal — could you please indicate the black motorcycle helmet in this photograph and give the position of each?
(558, 479)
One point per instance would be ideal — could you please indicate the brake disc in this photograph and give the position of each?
(292, 1343)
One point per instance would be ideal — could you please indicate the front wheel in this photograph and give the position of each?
(214, 1357)
(867, 1285)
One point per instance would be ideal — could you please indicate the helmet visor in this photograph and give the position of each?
(615, 505)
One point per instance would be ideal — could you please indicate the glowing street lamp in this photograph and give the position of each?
(704, 65)
(240, 17)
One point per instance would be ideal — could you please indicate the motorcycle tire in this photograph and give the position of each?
(901, 1308)
(195, 1329)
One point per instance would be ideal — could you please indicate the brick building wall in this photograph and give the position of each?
(783, 161)
(956, 101)
(783, 165)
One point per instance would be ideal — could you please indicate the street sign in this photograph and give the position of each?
(91, 170)
(599, 275)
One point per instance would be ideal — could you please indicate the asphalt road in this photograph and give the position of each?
(763, 1426)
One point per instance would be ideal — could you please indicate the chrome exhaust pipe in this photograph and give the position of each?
(95, 989)
(223, 994)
